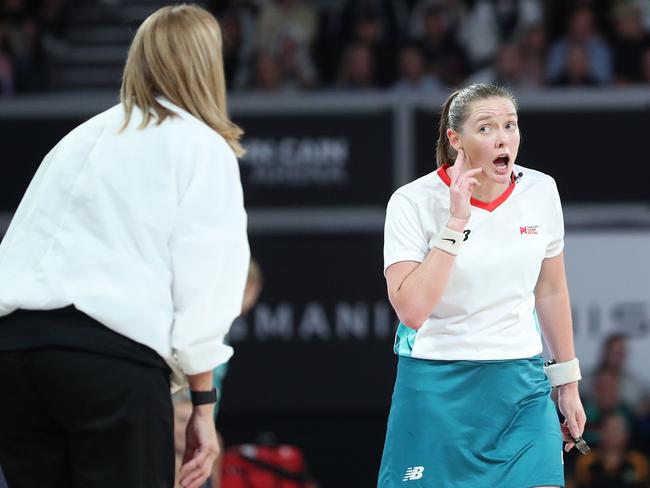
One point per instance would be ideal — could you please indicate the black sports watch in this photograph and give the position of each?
(203, 397)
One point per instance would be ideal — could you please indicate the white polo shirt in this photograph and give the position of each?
(487, 310)
(143, 230)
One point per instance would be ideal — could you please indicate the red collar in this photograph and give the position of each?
(489, 206)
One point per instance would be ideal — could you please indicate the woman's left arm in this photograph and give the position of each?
(554, 313)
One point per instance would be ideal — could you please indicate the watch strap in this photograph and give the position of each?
(203, 397)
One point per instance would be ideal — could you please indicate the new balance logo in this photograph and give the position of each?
(414, 473)
(531, 229)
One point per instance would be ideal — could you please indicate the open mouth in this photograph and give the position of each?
(501, 164)
(502, 161)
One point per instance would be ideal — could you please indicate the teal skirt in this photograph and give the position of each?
(472, 424)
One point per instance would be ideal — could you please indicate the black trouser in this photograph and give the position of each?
(70, 418)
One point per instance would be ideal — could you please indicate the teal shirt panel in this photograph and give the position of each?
(405, 338)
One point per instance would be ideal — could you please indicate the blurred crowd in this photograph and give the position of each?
(25, 27)
(289, 45)
(294, 45)
(617, 404)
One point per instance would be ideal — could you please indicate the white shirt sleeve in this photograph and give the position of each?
(210, 259)
(556, 243)
(404, 238)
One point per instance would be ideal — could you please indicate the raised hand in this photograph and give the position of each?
(461, 187)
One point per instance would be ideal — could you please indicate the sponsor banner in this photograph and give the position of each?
(327, 159)
(571, 146)
(306, 160)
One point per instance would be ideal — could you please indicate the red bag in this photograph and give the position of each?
(253, 466)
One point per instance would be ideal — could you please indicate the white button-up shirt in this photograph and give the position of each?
(143, 230)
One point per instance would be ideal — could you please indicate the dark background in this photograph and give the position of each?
(585, 147)
(585, 150)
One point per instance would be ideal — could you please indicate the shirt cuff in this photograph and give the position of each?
(200, 358)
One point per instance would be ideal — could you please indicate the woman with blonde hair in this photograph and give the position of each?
(121, 272)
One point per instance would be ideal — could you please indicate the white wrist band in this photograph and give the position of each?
(562, 373)
(448, 240)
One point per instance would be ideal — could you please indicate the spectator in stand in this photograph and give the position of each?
(605, 399)
(614, 357)
(444, 56)
(558, 14)
(238, 48)
(478, 33)
(533, 49)
(246, 13)
(286, 31)
(369, 32)
(375, 23)
(413, 73)
(628, 44)
(448, 9)
(279, 16)
(582, 33)
(644, 9)
(284, 68)
(632, 391)
(576, 71)
(508, 70)
(357, 68)
(20, 34)
(294, 59)
(390, 15)
(268, 75)
(613, 464)
(485, 24)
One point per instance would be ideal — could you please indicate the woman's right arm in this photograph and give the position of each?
(209, 257)
(415, 288)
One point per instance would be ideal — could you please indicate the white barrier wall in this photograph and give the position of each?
(609, 281)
